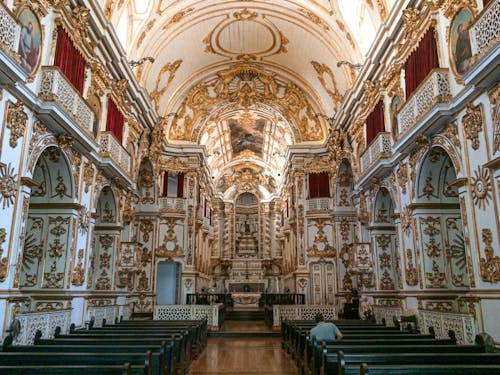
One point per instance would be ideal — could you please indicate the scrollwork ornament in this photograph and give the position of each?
(17, 121)
(8, 185)
(490, 265)
(4, 262)
(481, 188)
(473, 124)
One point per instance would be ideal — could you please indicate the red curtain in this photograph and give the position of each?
(205, 207)
(375, 122)
(287, 212)
(69, 60)
(210, 220)
(319, 185)
(114, 121)
(180, 185)
(421, 62)
(165, 185)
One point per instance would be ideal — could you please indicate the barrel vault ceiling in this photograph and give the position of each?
(246, 78)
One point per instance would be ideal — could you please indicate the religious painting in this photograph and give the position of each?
(247, 134)
(395, 107)
(460, 45)
(30, 41)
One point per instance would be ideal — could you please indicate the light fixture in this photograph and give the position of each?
(134, 63)
(350, 64)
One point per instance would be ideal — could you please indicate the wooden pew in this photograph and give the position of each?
(476, 369)
(66, 370)
(140, 363)
(348, 364)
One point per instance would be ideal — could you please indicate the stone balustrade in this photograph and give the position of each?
(111, 148)
(44, 321)
(462, 324)
(302, 312)
(173, 204)
(387, 314)
(10, 31)
(484, 33)
(54, 87)
(434, 89)
(380, 147)
(189, 312)
(319, 204)
(110, 313)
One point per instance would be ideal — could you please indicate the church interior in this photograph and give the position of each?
(185, 159)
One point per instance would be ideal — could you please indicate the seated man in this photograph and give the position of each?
(325, 331)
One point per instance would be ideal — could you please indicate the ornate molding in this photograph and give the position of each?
(490, 265)
(472, 123)
(17, 121)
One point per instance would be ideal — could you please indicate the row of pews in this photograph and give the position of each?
(145, 347)
(374, 349)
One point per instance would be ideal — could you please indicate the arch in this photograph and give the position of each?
(383, 207)
(51, 216)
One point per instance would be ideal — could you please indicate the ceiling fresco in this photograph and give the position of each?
(247, 134)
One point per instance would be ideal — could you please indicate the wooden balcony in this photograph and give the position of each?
(319, 204)
(173, 204)
(10, 32)
(379, 148)
(484, 33)
(109, 147)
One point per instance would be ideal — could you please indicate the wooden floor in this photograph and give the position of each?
(243, 356)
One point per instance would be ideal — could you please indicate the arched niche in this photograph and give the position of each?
(344, 185)
(146, 183)
(45, 262)
(384, 242)
(105, 241)
(439, 223)
(246, 219)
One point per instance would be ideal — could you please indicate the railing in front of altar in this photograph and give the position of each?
(213, 314)
(300, 312)
(267, 299)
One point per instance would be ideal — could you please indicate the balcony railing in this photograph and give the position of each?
(434, 89)
(10, 32)
(56, 88)
(319, 204)
(485, 31)
(380, 147)
(111, 148)
(173, 204)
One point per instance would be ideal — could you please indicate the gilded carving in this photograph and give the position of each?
(146, 227)
(490, 265)
(344, 229)
(473, 124)
(314, 18)
(329, 84)
(402, 176)
(321, 247)
(103, 282)
(88, 175)
(386, 282)
(4, 262)
(17, 120)
(53, 279)
(481, 187)
(168, 71)
(347, 34)
(78, 275)
(106, 241)
(450, 131)
(177, 17)
(494, 96)
(8, 185)
(435, 278)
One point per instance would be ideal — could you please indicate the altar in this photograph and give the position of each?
(242, 301)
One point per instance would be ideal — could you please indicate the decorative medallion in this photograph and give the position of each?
(8, 185)
(30, 42)
(459, 42)
(481, 188)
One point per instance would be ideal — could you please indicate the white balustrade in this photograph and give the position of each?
(98, 313)
(189, 312)
(173, 204)
(55, 87)
(434, 89)
(319, 204)
(387, 314)
(302, 312)
(380, 147)
(10, 30)
(484, 34)
(45, 321)
(462, 324)
(110, 147)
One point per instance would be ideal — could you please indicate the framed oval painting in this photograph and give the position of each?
(460, 46)
(30, 41)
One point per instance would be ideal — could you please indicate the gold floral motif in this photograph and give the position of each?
(168, 71)
(481, 188)
(489, 266)
(103, 282)
(4, 262)
(385, 260)
(344, 229)
(473, 124)
(8, 185)
(402, 176)
(106, 241)
(52, 278)
(329, 84)
(78, 275)
(383, 241)
(386, 282)
(104, 260)
(321, 248)
(314, 18)
(411, 274)
(146, 227)
(56, 250)
(436, 278)
(428, 188)
(494, 96)
(347, 281)
(346, 255)
(177, 17)
(17, 120)
(88, 175)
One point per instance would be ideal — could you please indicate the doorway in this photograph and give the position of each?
(167, 283)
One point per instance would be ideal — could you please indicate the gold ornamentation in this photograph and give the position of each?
(321, 247)
(343, 28)
(411, 274)
(386, 282)
(402, 176)
(346, 255)
(452, 7)
(494, 96)
(450, 131)
(314, 18)
(385, 260)
(481, 188)
(88, 175)
(146, 227)
(4, 262)
(103, 282)
(104, 260)
(168, 69)
(8, 185)
(473, 124)
(317, 165)
(78, 275)
(38, 131)
(436, 278)
(52, 278)
(344, 229)
(106, 241)
(145, 32)
(489, 266)
(428, 188)
(331, 86)
(245, 86)
(177, 17)
(17, 120)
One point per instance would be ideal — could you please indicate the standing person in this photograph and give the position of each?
(325, 331)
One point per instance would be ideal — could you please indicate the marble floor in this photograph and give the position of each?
(243, 356)
(242, 326)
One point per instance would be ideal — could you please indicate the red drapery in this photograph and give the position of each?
(319, 185)
(205, 208)
(114, 121)
(421, 62)
(375, 122)
(210, 219)
(69, 60)
(287, 212)
(165, 185)
(180, 185)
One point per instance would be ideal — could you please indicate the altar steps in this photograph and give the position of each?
(244, 315)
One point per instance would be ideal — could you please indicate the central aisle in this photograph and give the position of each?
(244, 355)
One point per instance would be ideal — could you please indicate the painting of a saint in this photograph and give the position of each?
(395, 107)
(29, 44)
(460, 46)
(247, 135)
